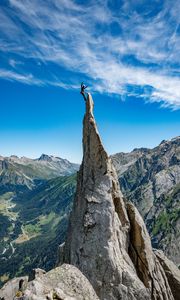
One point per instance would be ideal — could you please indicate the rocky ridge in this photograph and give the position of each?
(22, 173)
(150, 178)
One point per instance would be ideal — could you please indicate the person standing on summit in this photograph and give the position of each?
(83, 87)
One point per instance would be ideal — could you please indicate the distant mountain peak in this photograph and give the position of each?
(14, 156)
(45, 157)
(142, 149)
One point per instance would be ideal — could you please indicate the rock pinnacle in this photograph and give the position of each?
(107, 239)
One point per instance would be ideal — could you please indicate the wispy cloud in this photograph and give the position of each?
(114, 47)
(13, 76)
(14, 63)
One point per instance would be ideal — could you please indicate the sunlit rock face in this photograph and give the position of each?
(106, 240)
(65, 282)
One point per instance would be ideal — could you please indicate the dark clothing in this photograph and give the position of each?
(83, 87)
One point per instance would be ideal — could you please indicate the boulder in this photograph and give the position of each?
(65, 283)
(11, 289)
(36, 273)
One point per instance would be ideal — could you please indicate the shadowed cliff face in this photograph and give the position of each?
(113, 250)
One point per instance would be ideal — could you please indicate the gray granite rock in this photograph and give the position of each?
(172, 273)
(98, 235)
(11, 288)
(36, 273)
(147, 265)
(112, 249)
(150, 178)
(65, 283)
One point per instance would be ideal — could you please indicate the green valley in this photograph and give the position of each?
(40, 219)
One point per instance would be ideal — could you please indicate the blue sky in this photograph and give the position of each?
(126, 51)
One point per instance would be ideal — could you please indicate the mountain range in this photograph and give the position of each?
(25, 173)
(36, 198)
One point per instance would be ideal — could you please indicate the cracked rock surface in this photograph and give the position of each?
(62, 283)
(65, 283)
(106, 240)
(172, 273)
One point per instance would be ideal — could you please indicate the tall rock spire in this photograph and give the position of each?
(105, 240)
